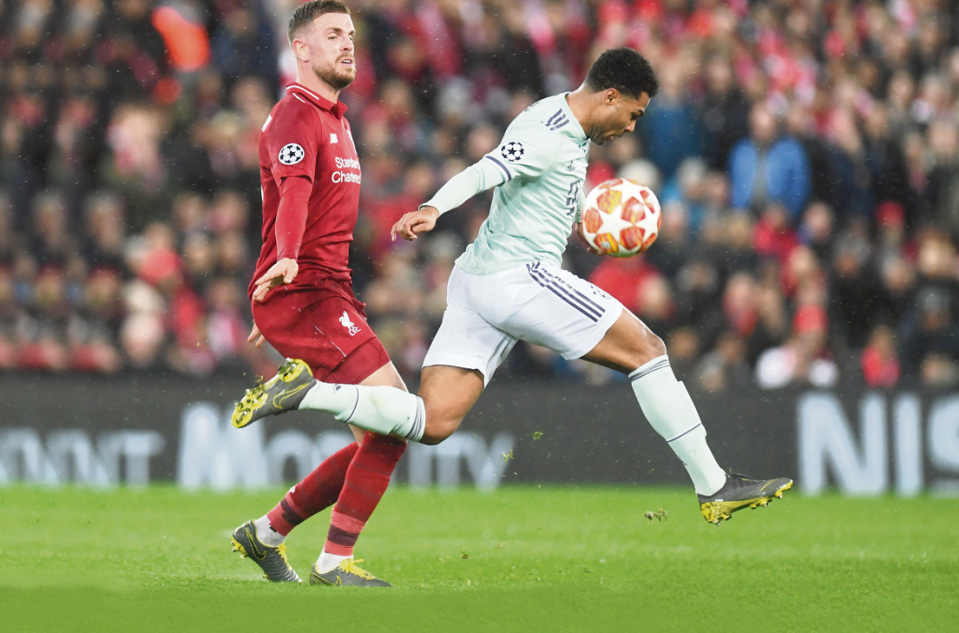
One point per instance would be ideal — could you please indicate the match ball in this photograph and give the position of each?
(621, 218)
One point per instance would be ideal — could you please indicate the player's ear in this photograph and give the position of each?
(300, 50)
(611, 96)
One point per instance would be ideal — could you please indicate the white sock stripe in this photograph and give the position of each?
(414, 429)
(355, 405)
(419, 422)
(650, 367)
(687, 431)
(421, 411)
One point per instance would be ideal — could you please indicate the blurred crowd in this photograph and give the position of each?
(805, 152)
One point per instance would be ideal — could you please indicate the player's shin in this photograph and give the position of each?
(671, 412)
(383, 410)
(315, 493)
(366, 481)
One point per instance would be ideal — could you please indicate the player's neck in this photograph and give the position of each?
(310, 81)
(580, 106)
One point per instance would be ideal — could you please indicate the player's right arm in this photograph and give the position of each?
(291, 147)
(290, 224)
(473, 180)
(526, 151)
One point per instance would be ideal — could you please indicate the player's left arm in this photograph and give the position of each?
(578, 223)
(290, 224)
(578, 229)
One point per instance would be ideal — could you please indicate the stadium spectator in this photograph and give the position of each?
(880, 366)
(853, 293)
(725, 112)
(853, 190)
(803, 358)
(243, 44)
(672, 131)
(725, 367)
(624, 280)
(768, 167)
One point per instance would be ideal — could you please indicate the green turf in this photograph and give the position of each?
(523, 559)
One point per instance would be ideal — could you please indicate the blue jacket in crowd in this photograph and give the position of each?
(787, 174)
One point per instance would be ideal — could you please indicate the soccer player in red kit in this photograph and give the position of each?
(302, 296)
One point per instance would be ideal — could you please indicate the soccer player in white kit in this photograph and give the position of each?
(509, 286)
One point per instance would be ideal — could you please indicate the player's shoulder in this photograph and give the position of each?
(291, 111)
(546, 118)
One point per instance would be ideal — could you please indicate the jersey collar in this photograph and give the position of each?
(337, 109)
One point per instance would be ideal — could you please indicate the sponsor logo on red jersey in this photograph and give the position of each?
(342, 176)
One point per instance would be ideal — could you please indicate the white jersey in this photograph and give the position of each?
(543, 158)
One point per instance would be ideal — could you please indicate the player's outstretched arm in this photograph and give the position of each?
(460, 188)
(420, 221)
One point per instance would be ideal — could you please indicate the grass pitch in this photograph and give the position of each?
(521, 559)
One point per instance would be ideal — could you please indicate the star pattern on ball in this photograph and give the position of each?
(513, 151)
(625, 187)
(648, 225)
(291, 154)
(612, 223)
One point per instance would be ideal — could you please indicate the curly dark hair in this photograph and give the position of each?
(309, 11)
(625, 70)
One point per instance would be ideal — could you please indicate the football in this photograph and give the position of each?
(621, 218)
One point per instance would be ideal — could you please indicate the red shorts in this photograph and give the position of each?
(325, 326)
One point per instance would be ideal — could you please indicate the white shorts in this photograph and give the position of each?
(538, 303)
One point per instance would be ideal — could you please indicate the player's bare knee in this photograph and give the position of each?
(432, 437)
(439, 428)
(656, 346)
(651, 346)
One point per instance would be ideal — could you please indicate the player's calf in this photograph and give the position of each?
(448, 394)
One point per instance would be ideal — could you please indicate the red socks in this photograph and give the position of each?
(317, 492)
(367, 478)
(354, 478)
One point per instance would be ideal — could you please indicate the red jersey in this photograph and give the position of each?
(307, 135)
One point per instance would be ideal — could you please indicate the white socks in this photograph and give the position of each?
(671, 412)
(383, 410)
(268, 536)
(328, 562)
(266, 533)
